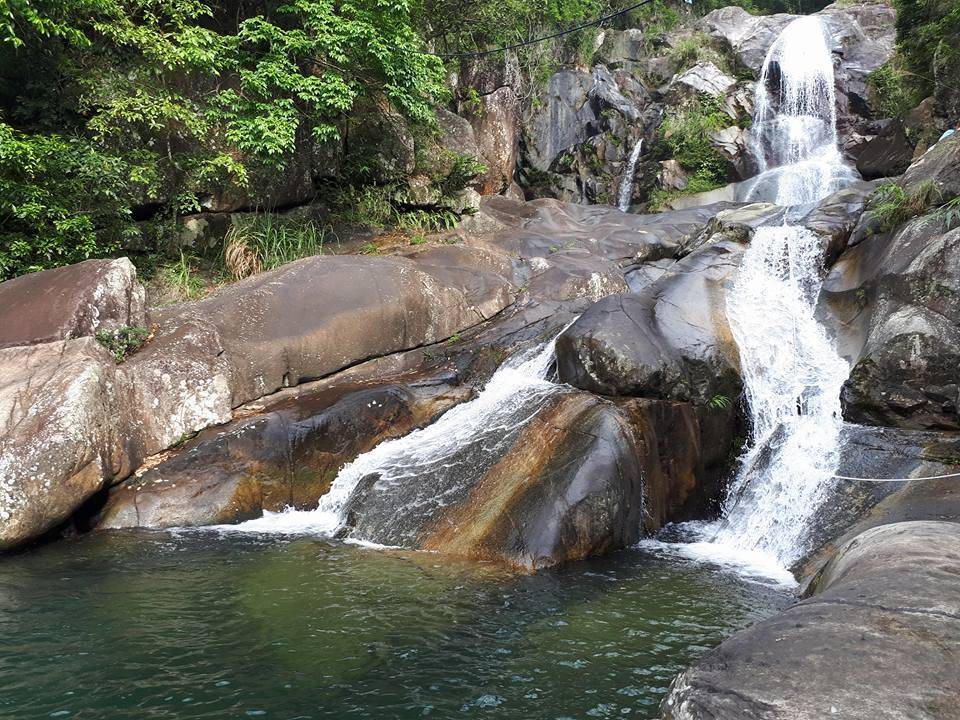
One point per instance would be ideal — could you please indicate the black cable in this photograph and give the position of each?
(533, 41)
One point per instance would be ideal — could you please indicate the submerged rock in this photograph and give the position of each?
(890, 598)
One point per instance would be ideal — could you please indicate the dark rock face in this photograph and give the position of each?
(285, 457)
(890, 597)
(70, 302)
(901, 295)
(315, 316)
(670, 341)
(886, 155)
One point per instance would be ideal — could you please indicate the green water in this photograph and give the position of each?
(202, 626)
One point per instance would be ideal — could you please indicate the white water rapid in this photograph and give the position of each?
(791, 371)
(626, 184)
(461, 445)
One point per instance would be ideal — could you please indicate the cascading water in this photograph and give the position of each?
(626, 184)
(794, 133)
(792, 373)
(432, 465)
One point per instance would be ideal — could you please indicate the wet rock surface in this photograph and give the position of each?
(890, 598)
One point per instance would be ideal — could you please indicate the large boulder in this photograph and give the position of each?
(64, 433)
(671, 341)
(900, 294)
(312, 317)
(889, 599)
(568, 488)
(886, 155)
(939, 166)
(70, 302)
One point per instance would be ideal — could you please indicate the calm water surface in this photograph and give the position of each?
(202, 626)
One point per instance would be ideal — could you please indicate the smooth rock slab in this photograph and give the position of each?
(878, 642)
(313, 317)
(70, 302)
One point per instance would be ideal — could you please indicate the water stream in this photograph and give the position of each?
(629, 177)
(791, 370)
(422, 472)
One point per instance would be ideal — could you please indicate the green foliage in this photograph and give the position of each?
(264, 241)
(684, 137)
(463, 170)
(949, 214)
(892, 206)
(123, 342)
(369, 248)
(183, 277)
(62, 200)
(890, 90)
(927, 45)
(427, 219)
(719, 402)
(157, 103)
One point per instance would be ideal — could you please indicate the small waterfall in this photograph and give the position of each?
(432, 464)
(626, 184)
(792, 376)
(794, 134)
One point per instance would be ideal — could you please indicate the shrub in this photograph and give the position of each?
(889, 90)
(892, 206)
(123, 342)
(685, 137)
(265, 241)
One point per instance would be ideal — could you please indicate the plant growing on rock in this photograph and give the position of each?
(264, 242)
(124, 342)
(892, 206)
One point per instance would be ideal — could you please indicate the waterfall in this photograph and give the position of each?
(431, 464)
(793, 138)
(791, 371)
(626, 184)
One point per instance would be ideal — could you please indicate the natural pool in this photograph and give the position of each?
(199, 625)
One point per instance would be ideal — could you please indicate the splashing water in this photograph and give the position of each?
(792, 376)
(433, 462)
(626, 185)
(794, 133)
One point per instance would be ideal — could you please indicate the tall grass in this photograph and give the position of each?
(263, 242)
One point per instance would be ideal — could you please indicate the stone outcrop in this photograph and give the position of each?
(895, 297)
(671, 341)
(886, 155)
(285, 456)
(64, 433)
(315, 316)
(890, 598)
(70, 302)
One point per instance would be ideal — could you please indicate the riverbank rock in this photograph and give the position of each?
(316, 316)
(70, 302)
(886, 155)
(286, 456)
(890, 598)
(64, 433)
(899, 291)
(939, 167)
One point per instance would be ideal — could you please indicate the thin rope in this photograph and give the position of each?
(895, 480)
(532, 41)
